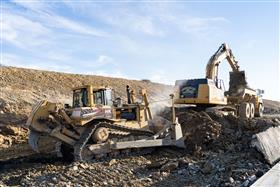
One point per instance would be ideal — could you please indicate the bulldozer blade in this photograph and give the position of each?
(33, 139)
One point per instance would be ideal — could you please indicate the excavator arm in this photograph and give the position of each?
(224, 52)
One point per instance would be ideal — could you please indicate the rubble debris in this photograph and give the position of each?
(208, 167)
(198, 128)
(5, 141)
(112, 162)
(250, 180)
(225, 158)
(169, 166)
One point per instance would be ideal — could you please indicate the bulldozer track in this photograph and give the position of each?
(81, 143)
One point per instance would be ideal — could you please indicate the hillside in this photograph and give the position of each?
(271, 107)
(22, 88)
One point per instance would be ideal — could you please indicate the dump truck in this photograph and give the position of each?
(209, 92)
(97, 124)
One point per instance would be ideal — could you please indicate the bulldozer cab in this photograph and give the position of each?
(89, 96)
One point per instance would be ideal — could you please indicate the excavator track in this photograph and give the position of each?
(80, 146)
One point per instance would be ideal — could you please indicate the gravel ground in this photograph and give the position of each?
(223, 159)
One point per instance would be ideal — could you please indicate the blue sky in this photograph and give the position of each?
(161, 41)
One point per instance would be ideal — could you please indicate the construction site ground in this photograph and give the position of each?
(218, 147)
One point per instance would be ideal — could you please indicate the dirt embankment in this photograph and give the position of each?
(21, 88)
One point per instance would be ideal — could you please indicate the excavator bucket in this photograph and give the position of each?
(237, 83)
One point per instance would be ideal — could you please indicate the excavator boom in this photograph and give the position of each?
(224, 52)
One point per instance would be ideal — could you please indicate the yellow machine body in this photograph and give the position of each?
(210, 91)
(202, 94)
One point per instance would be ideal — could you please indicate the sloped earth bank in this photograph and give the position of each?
(218, 154)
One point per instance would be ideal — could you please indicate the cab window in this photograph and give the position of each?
(103, 97)
(80, 98)
(109, 100)
(98, 97)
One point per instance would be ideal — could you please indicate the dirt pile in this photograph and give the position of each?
(198, 127)
(222, 147)
(210, 130)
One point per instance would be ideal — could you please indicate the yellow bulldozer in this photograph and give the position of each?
(97, 124)
(209, 92)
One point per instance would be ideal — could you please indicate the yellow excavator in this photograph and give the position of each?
(210, 91)
(97, 124)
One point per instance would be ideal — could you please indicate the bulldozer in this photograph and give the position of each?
(98, 125)
(209, 92)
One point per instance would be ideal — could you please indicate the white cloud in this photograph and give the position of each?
(146, 26)
(61, 22)
(155, 19)
(15, 61)
(23, 32)
(43, 12)
(100, 62)
(130, 21)
(33, 5)
(60, 55)
(103, 59)
(197, 24)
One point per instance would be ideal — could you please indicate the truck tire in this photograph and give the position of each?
(252, 110)
(244, 110)
(259, 111)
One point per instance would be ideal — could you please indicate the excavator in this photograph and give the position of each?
(98, 125)
(209, 92)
